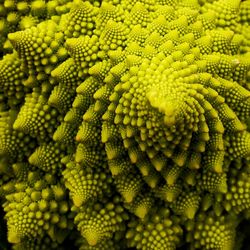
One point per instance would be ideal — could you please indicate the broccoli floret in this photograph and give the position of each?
(125, 124)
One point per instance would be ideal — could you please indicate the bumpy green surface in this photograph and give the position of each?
(125, 124)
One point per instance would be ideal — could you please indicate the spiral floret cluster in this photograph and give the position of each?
(125, 124)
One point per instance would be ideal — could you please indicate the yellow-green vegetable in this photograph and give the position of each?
(125, 124)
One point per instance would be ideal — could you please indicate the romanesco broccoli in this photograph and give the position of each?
(125, 124)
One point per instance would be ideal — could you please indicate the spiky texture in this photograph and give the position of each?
(36, 207)
(129, 120)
